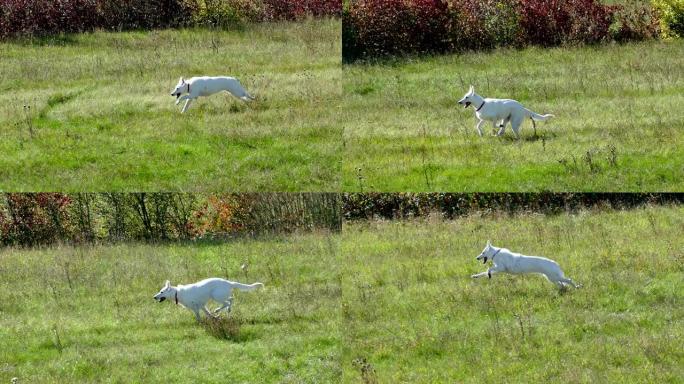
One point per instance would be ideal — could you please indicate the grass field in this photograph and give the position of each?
(412, 314)
(94, 112)
(83, 315)
(618, 125)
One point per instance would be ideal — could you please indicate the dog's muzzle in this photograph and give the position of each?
(467, 104)
(484, 260)
(161, 299)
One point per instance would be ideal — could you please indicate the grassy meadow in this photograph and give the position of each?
(82, 315)
(618, 123)
(94, 112)
(412, 314)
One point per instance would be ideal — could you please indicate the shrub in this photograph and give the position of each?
(46, 17)
(431, 25)
(555, 22)
(225, 13)
(634, 21)
(397, 27)
(364, 206)
(34, 218)
(143, 14)
(484, 24)
(298, 9)
(671, 16)
(382, 27)
(42, 17)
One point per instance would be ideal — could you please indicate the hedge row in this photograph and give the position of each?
(375, 28)
(390, 206)
(31, 219)
(47, 17)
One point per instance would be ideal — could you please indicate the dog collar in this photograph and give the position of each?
(188, 92)
(477, 110)
(176, 296)
(495, 253)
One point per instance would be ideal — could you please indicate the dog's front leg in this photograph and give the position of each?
(184, 97)
(187, 104)
(481, 274)
(479, 127)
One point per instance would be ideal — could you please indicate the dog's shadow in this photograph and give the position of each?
(228, 328)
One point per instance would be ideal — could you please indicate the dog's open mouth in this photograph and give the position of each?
(161, 299)
(484, 260)
(467, 104)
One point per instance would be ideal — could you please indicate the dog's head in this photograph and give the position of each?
(487, 253)
(166, 292)
(467, 98)
(180, 88)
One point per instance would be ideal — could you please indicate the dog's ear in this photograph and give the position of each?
(471, 90)
(182, 80)
(489, 243)
(167, 284)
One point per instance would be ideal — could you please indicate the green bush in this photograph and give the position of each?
(225, 13)
(671, 17)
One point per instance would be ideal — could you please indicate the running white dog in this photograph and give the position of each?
(205, 86)
(196, 296)
(500, 111)
(506, 261)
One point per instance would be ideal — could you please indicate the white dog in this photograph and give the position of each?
(500, 111)
(205, 86)
(506, 261)
(196, 296)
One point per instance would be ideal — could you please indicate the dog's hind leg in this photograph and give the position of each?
(207, 312)
(516, 121)
(227, 305)
(567, 280)
(502, 126)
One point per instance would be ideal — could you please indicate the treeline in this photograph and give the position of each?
(31, 219)
(364, 206)
(49, 17)
(377, 28)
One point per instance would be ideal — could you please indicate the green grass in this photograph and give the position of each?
(101, 117)
(412, 313)
(83, 315)
(618, 126)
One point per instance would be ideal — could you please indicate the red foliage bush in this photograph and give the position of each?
(382, 27)
(555, 22)
(46, 17)
(34, 218)
(40, 17)
(390, 27)
(143, 14)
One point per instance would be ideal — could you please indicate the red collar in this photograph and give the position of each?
(176, 297)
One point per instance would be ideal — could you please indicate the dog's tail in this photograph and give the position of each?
(247, 287)
(538, 117)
